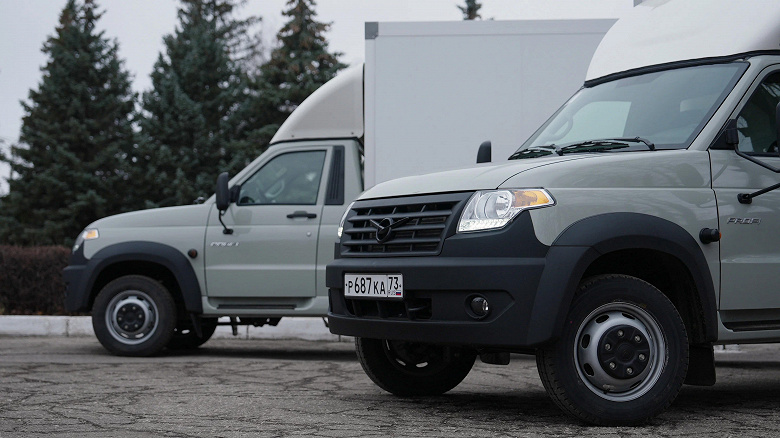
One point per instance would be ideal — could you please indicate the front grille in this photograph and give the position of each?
(418, 226)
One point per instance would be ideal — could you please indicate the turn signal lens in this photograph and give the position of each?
(532, 198)
(88, 234)
(91, 234)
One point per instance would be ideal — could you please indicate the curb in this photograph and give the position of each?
(301, 328)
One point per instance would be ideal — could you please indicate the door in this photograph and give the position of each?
(275, 220)
(750, 243)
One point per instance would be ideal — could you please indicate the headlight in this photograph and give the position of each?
(88, 234)
(492, 209)
(340, 231)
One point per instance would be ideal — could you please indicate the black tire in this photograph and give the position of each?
(134, 316)
(413, 369)
(622, 334)
(185, 338)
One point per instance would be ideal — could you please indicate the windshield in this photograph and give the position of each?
(661, 110)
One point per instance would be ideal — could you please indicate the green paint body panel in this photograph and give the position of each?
(695, 188)
(271, 265)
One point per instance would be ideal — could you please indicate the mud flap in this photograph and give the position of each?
(701, 365)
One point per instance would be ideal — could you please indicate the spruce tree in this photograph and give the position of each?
(67, 169)
(191, 129)
(300, 64)
(471, 10)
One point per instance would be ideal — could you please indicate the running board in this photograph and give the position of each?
(749, 326)
(256, 306)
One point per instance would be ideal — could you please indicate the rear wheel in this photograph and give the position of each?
(412, 368)
(134, 315)
(186, 338)
(622, 356)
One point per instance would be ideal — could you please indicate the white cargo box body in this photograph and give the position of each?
(435, 90)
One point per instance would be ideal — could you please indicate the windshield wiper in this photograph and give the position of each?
(600, 145)
(536, 151)
(605, 144)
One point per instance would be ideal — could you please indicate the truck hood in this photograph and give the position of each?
(480, 177)
(660, 169)
(182, 216)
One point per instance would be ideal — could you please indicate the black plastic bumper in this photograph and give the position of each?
(75, 276)
(437, 296)
(527, 285)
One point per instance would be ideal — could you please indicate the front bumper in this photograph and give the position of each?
(437, 296)
(75, 276)
(525, 282)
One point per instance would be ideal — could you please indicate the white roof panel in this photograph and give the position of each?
(663, 31)
(335, 110)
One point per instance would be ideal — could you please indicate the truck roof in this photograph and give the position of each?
(658, 32)
(335, 110)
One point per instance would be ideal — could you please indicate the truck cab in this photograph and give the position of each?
(162, 277)
(618, 244)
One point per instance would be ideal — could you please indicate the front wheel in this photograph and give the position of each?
(412, 368)
(134, 316)
(622, 356)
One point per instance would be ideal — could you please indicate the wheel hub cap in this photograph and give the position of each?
(623, 352)
(131, 317)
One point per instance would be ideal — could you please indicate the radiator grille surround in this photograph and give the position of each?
(408, 226)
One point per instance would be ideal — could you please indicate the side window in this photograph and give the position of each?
(292, 178)
(756, 122)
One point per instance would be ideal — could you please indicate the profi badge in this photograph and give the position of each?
(744, 220)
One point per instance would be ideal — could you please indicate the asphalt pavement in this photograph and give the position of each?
(70, 386)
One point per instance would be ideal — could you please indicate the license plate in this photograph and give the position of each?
(374, 286)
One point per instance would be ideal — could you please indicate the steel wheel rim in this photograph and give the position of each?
(135, 330)
(415, 359)
(593, 331)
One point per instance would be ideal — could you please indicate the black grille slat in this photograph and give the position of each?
(435, 227)
(393, 242)
(418, 214)
(422, 232)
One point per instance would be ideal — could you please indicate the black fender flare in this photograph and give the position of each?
(584, 241)
(82, 279)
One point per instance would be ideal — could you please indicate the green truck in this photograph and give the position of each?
(636, 229)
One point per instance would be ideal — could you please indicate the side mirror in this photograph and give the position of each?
(223, 193)
(223, 199)
(731, 135)
(747, 198)
(484, 155)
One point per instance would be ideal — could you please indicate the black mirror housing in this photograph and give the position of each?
(484, 154)
(223, 192)
(728, 139)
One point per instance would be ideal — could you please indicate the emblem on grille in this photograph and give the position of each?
(384, 228)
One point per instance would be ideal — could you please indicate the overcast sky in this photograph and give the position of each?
(139, 26)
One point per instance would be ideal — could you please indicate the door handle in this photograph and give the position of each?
(302, 213)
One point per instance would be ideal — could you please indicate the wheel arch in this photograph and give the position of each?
(152, 259)
(648, 247)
